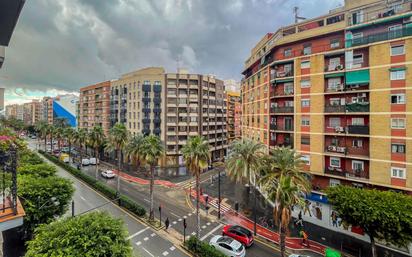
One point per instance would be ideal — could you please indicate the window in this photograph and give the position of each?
(397, 50)
(334, 83)
(398, 148)
(334, 162)
(398, 172)
(357, 37)
(287, 52)
(357, 143)
(398, 123)
(357, 165)
(305, 102)
(398, 75)
(334, 182)
(358, 121)
(357, 58)
(334, 122)
(305, 83)
(306, 159)
(305, 140)
(307, 49)
(305, 121)
(334, 43)
(288, 103)
(305, 64)
(334, 63)
(395, 27)
(398, 99)
(288, 88)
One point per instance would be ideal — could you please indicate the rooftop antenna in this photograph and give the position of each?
(297, 17)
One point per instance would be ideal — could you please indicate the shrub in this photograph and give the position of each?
(41, 170)
(28, 157)
(201, 249)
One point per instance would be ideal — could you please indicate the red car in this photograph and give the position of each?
(238, 233)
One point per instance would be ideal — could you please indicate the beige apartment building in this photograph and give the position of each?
(173, 106)
(335, 88)
(93, 107)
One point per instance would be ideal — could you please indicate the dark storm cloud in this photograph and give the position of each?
(67, 44)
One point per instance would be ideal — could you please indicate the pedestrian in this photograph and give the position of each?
(304, 236)
(334, 219)
(167, 223)
(300, 220)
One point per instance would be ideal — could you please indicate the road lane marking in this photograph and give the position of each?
(146, 200)
(138, 243)
(208, 223)
(190, 214)
(153, 234)
(138, 232)
(165, 253)
(203, 227)
(180, 219)
(177, 216)
(211, 232)
(193, 233)
(81, 197)
(148, 251)
(146, 238)
(174, 222)
(172, 248)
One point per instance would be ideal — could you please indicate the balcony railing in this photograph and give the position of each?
(359, 174)
(380, 13)
(357, 107)
(358, 129)
(336, 149)
(283, 109)
(334, 108)
(379, 37)
(281, 127)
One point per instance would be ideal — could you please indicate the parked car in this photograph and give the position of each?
(85, 162)
(65, 149)
(64, 158)
(93, 161)
(108, 174)
(238, 233)
(33, 137)
(228, 246)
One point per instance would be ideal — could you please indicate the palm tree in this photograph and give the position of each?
(79, 137)
(134, 149)
(58, 133)
(69, 134)
(41, 128)
(96, 141)
(284, 183)
(152, 150)
(50, 132)
(118, 137)
(243, 163)
(196, 155)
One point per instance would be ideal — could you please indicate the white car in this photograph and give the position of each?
(85, 162)
(93, 161)
(108, 174)
(228, 246)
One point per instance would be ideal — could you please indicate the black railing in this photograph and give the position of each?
(379, 37)
(146, 88)
(284, 109)
(334, 108)
(358, 129)
(157, 88)
(146, 99)
(360, 174)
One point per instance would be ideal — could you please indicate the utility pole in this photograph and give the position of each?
(297, 17)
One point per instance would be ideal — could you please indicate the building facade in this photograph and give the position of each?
(334, 88)
(94, 106)
(234, 113)
(59, 109)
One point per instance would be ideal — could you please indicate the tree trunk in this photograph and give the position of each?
(151, 214)
(373, 246)
(282, 240)
(45, 143)
(51, 143)
(70, 151)
(118, 169)
(197, 204)
(81, 155)
(97, 161)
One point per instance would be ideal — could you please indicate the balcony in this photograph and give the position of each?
(404, 32)
(157, 110)
(283, 109)
(358, 174)
(157, 131)
(146, 99)
(146, 109)
(358, 129)
(157, 88)
(157, 120)
(281, 127)
(146, 120)
(146, 88)
(357, 107)
(146, 131)
(157, 100)
(334, 108)
(336, 149)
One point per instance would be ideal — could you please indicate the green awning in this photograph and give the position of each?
(332, 253)
(283, 80)
(357, 77)
(335, 75)
(397, 69)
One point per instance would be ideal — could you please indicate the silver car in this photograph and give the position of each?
(228, 246)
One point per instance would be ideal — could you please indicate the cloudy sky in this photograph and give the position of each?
(62, 45)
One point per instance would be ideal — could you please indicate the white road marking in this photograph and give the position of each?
(177, 216)
(185, 217)
(81, 197)
(203, 227)
(210, 232)
(148, 251)
(146, 200)
(153, 234)
(165, 253)
(172, 248)
(179, 219)
(174, 222)
(193, 233)
(190, 214)
(138, 243)
(208, 223)
(146, 238)
(137, 233)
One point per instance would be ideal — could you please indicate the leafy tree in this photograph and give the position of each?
(69, 135)
(196, 155)
(42, 130)
(118, 137)
(134, 149)
(243, 163)
(152, 150)
(383, 215)
(40, 197)
(96, 141)
(96, 234)
(79, 137)
(284, 183)
(40, 170)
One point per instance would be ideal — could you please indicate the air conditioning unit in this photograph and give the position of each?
(332, 148)
(339, 67)
(339, 129)
(340, 149)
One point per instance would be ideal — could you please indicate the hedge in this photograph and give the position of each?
(201, 249)
(109, 192)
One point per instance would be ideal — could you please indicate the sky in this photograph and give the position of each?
(61, 46)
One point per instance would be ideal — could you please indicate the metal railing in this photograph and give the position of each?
(379, 37)
(358, 129)
(284, 109)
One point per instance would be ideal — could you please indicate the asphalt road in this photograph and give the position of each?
(145, 240)
(174, 206)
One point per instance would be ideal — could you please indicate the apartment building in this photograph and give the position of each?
(335, 89)
(31, 112)
(173, 106)
(47, 109)
(11, 111)
(94, 106)
(233, 115)
(60, 108)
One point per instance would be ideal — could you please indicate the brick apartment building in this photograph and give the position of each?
(234, 115)
(334, 88)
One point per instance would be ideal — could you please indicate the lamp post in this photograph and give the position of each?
(218, 193)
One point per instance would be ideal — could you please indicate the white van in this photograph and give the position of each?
(85, 162)
(93, 161)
